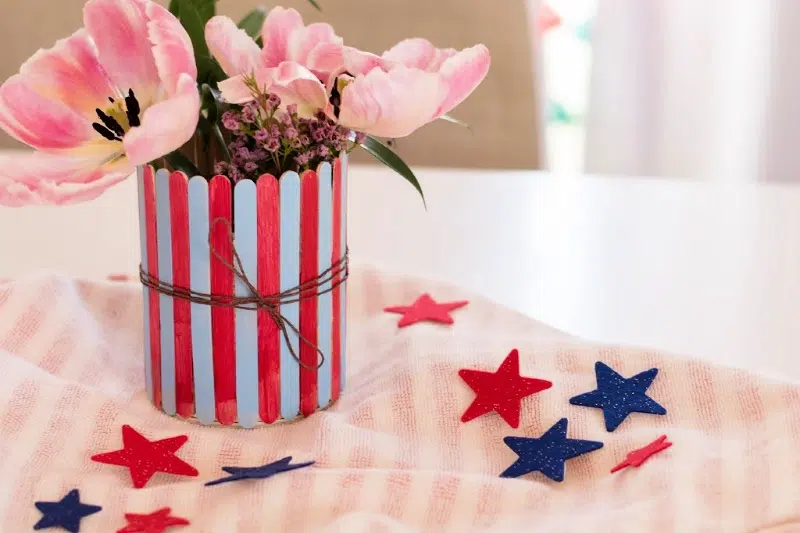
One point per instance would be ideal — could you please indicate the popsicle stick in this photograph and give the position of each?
(324, 301)
(343, 339)
(269, 282)
(154, 319)
(309, 230)
(200, 280)
(336, 295)
(148, 364)
(223, 335)
(184, 374)
(290, 278)
(244, 201)
(164, 234)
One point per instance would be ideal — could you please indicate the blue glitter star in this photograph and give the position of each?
(258, 472)
(618, 397)
(66, 514)
(548, 453)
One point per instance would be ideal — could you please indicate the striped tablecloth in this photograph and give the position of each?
(392, 454)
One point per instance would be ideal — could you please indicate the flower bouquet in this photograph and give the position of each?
(239, 135)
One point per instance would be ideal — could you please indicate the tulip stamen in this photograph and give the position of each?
(132, 109)
(112, 124)
(336, 98)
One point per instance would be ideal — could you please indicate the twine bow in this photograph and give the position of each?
(255, 301)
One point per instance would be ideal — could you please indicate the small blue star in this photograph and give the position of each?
(548, 453)
(618, 397)
(258, 472)
(66, 514)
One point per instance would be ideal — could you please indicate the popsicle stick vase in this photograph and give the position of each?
(237, 365)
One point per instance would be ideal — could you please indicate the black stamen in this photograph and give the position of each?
(336, 98)
(110, 99)
(133, 109)
(111, 123)
(105, 132)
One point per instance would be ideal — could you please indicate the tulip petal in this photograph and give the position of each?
(18, 194)
(40, 122)
(70, 72)
(166, 126)
(295, 84)
(358, 62)
(418, 53)
(413, 53)
(278, 27)
(234, 90)
(55, 178)
(172, 47)
(119, 28)
(326, 60)
(236, 51)
(462, 73)
(391, 104)
(303, 41)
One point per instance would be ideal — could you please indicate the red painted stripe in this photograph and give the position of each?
(336, 356)
(269, 282)
(309, 230)
(223, 336)
(179, 218)
(152, 269)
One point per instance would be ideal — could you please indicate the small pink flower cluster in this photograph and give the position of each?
(269, 139)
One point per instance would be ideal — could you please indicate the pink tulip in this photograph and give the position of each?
(390, 96)
(118, 93)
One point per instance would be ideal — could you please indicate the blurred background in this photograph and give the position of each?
(672, 88)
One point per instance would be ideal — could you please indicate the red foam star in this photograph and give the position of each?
(144, 458)
(637, 457)
(155, 522)
(425, 308)
(500, 391)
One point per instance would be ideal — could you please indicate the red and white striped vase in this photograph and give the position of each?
(233, 366)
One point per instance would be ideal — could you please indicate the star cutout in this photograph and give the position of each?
(155, 522)
(637, 457)
(500, 391)
(548, 453)
(427, 309)
(258, 472)
(144, 457)
(66, 514)
(618, 396)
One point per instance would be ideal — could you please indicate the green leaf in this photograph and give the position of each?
(209, 71)
(253, 21)
(210, 102)
(453, 120)
(193, 22)
(192, 14)
(178, 161)
(385, 155)
(205, 8)
(174, 7)
(223, 146)
(315, 4)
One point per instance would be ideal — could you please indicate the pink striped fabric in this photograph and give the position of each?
(392, 454)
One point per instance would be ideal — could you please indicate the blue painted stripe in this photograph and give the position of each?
(164, 232)
(290, 278)
(148, 362)
(325, 301)
(200, 278)
(244, 222)
(343, 298)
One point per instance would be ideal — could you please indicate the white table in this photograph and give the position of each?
(694, 268)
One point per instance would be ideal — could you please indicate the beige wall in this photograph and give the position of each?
(502, 112)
